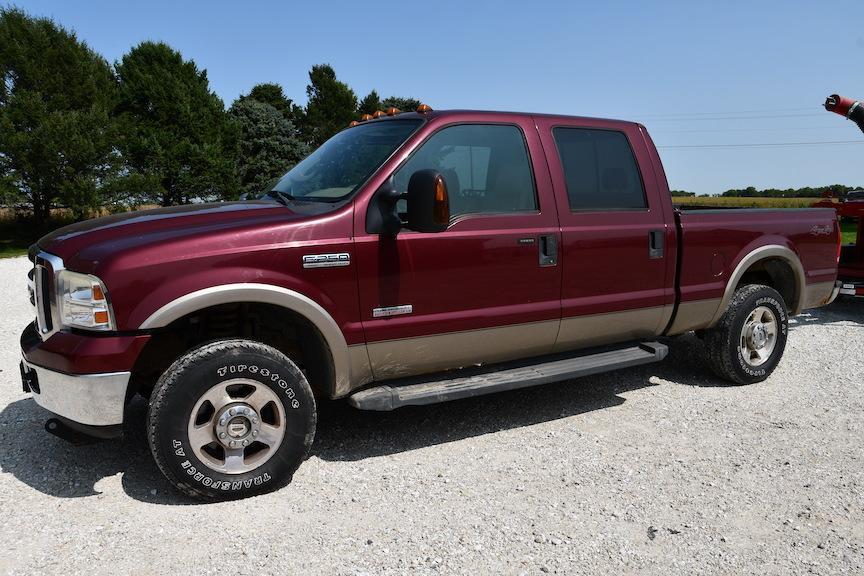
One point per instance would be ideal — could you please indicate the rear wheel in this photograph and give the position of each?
(231, 419)
(747, 342)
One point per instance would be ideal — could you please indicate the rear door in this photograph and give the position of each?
(617, 272)
(481, 291)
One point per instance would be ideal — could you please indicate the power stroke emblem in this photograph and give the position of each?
(388, 311)
(326, 260)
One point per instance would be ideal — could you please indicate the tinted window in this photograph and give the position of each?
(599, 169)
(486, 168)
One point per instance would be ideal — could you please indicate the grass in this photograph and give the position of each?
(849, 228)
(16, 234)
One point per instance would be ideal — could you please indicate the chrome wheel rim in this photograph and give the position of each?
(758, 336)
(236, 426)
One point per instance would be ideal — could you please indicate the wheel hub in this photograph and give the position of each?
(757, 336)
(236, 425)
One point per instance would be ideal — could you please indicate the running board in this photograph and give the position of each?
(478, 381)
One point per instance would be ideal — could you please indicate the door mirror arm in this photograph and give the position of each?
(381, 216)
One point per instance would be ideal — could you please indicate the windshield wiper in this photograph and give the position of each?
(283, 197)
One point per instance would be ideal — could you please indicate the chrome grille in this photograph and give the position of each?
(42, 299)
(42, 295)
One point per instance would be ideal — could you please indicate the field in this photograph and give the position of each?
(745, 202)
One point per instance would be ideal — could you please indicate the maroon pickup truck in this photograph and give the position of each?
(413, 258)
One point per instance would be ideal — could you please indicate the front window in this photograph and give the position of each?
(343, 163)
(486, 168)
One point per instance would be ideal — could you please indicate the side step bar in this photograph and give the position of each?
(486, 380)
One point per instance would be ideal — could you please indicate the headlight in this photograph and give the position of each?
(83, 302)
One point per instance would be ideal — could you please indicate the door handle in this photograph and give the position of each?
(656, 241)
(548, 250)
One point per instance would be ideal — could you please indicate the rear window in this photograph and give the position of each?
(599, 169)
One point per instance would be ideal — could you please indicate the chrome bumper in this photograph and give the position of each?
(89, 399)
(850, 288)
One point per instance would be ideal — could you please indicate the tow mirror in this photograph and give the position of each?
(428, 203)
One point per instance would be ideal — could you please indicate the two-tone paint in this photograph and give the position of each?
(477, 292)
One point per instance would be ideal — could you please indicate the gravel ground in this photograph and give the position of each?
(657, 470)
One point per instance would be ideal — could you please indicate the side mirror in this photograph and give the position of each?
(428, 203)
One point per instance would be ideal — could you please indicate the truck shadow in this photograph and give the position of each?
(57, 468)
(845, 310)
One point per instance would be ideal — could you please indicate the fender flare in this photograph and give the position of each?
(265, 294)
(764, 253)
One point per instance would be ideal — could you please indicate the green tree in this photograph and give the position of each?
(269, 145)
(369, 104)
(178, 143)
(373, 102)
(56, 133)
(403, 104)
(331, 107)
(272, 94)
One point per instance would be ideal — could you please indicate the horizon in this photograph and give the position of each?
(753, 77)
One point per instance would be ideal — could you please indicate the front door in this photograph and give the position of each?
(488, 288)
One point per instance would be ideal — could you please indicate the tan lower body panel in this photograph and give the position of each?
(361, 372)
(426, 354)
(598, 329)
(694, 315)
(816, 295)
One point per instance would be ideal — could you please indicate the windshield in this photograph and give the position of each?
(344, 162)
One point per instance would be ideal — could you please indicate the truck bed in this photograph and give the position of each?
(713, 242)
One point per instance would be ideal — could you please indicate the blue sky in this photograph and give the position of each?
(695, 73)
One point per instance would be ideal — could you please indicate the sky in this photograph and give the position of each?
(718, 84)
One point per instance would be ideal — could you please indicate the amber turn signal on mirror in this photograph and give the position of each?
(441, 206)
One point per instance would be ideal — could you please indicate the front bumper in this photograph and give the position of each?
(80, 378)
(88, 399)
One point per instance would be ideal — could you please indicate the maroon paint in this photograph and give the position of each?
(606, 263)
(474, 275)
(74, 353)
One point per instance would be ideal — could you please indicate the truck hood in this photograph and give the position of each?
(191, 228)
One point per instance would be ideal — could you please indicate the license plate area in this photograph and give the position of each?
(29, 378)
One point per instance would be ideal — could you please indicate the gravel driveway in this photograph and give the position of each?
(658, 470)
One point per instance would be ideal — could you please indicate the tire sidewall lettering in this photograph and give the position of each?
(780, 312)
(215, 484)
(265, 375)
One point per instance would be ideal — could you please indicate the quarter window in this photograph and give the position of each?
(485, 166)
(599, 170)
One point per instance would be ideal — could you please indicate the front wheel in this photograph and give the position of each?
(230, 419)
(748, 341)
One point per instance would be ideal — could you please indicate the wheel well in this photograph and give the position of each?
(776, 273)
(287, 331)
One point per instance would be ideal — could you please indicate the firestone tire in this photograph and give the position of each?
(230, 384)
(755, 316)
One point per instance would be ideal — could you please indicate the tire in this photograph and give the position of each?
(252, 403)
(733, 344)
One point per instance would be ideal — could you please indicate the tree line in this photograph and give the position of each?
(78, 132)
(836, 190)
